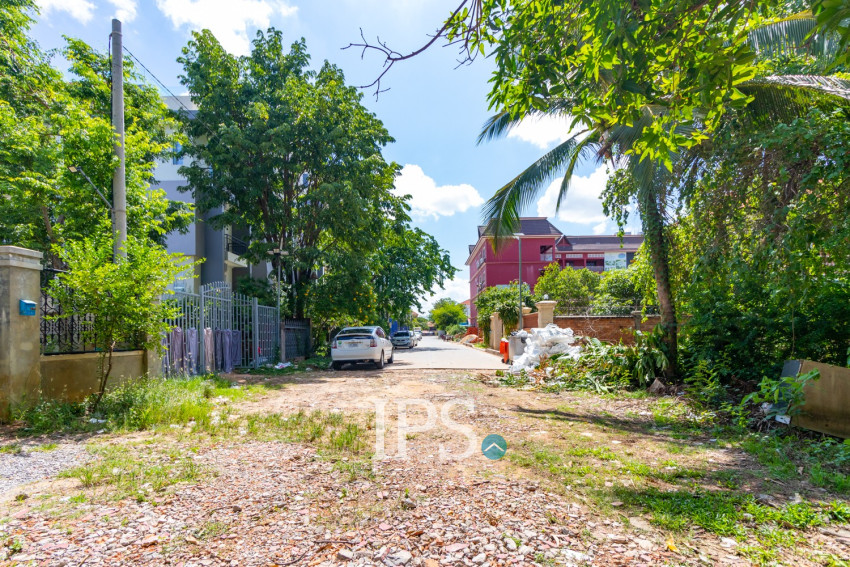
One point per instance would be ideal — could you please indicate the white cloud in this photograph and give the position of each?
(80, 10)
(457, 289)
(601, 228)
(125, 10)
(429, 199)
(581, 205)
(543, 131)
(228, 20)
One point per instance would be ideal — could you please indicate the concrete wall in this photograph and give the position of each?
(73, 377)
(20, 347)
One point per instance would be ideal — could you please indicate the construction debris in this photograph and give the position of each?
(545, 342)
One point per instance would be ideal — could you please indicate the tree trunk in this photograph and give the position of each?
(653, 228)
(105, 365)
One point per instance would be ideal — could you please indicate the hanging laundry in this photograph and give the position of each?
(209, 350)
(176, 350)
(192, 350)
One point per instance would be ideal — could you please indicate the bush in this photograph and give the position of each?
(136, 405)
(603, 367)
(455, 330)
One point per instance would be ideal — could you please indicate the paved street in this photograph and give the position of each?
(434, 353)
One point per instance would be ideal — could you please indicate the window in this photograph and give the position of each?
(380, 332)
(177, 159)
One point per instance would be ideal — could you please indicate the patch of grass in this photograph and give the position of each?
(726, 513)
(790, 455)
(45, 448)
(210, 530)
(355, 469)
(332, 433)
(14, 545)
(133, 471)
(11, 449)
(143, 404)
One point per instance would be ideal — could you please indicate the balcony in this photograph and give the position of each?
(235, 245)
(235, 249)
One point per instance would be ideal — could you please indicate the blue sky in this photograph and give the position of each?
(433, 110)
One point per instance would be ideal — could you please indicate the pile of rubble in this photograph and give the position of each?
(545, 342)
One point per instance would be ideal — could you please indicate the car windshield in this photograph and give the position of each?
(407, 334)
(355, 331)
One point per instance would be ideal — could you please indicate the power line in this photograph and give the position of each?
(174, 96)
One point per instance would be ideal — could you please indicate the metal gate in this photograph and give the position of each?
(298, 338)
(218, 330)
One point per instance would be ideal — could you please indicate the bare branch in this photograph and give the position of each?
(391, 56)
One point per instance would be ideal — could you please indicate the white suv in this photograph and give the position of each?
(361, 344)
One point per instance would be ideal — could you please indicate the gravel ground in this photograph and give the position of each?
(30, 464)
(276, 504)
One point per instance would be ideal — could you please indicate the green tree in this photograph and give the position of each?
(502, 300)
(618, 293)
(289, 153)
(406, 265)
(447, 313)
(573, 290)
(48, 124)
(123, 297)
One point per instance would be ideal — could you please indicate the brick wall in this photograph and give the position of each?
(607, 328)
(529, 320)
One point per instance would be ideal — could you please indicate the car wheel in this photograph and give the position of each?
(380, 363)
(336, 365)
(392, 357)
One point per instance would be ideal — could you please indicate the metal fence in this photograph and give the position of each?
(66, 335)
(218, 330)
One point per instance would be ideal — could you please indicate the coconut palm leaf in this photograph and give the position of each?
(503, 209)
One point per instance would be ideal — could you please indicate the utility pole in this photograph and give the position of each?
(119, 181)
(519, 236)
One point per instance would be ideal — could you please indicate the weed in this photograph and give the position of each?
(45, 448)
(11, 449)
(210, 530)
(143, 404)
(129, 471)
(14, 545)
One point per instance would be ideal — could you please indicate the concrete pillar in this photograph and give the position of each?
(20, 349)
(638, 316)
(496, 330)
(545, 312)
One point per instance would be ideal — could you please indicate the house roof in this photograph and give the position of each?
(599, 242)
(531, 226)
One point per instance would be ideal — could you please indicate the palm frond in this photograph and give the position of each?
(833, 86)
(497, 126)
(503, 209)
(796, 36)
(588, 146)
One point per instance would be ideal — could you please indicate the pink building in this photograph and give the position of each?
(542, 244)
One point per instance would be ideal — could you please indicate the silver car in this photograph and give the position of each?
(361, 344)
(404, 339)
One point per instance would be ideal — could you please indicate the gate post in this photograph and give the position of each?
(282, 338)
(20, 327)
(202, 324)
(255, 316)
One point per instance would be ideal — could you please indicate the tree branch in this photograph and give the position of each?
(391, 56)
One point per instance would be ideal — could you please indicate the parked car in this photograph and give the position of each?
(417, 331)
(361, 344)
(404, 339)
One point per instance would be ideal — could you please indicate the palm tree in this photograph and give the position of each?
(774, 98)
